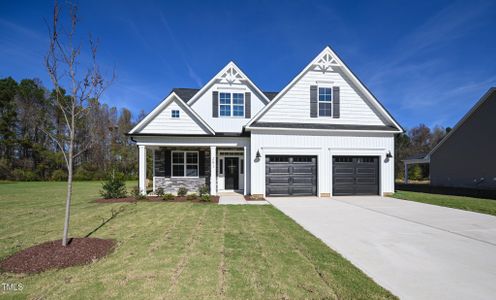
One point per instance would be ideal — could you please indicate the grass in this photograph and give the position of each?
(174, 250)
(485, 206)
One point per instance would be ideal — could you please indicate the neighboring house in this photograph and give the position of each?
(466, 156)
(324, 134)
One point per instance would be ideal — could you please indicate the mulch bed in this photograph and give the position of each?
(213, 199)
(52, 255)
(251, 198)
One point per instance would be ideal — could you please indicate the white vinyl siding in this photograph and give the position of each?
(165, 123)
(324, 146)
(294, 106)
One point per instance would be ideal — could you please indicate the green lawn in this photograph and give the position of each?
(485, 206)
(175, 250)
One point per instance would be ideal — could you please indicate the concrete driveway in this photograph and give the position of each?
(415, 250)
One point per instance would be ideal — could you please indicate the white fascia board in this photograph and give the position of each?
(350, 74)
(162, 106)
(231, 64)
(319, 130)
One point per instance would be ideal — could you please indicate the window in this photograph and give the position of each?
(242, 166)
(221, 166)
(231, 104)
(325, 98)
(174, 114)
(184, 164)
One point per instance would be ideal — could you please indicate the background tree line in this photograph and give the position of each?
(419, 140)
(26, 153)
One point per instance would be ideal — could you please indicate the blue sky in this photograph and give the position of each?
(426, 61)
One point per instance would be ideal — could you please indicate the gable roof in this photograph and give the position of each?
(230, 72)
(187, 93)
(488, 95)
(334, 61)
(172, 96)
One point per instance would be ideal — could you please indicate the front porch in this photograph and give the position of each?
(220, 168)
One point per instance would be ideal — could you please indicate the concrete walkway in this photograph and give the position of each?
(415, 250)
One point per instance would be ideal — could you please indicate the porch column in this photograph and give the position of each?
(142, 169)
(406, 173)
(245, 171)
(213, 170)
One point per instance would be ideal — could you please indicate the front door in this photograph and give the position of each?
(232, 173)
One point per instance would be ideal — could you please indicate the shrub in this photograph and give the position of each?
(114, 187)
(136, 193)
(168, 197)
(5, 169)
(160, 192)
(205, 198)
(182, 191)
(24, 175)
(192, 196)
(59, 175)
(203, 189)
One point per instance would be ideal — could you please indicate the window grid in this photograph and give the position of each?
(175, 113)
(231, 104)
(325, 99)
(185, 164)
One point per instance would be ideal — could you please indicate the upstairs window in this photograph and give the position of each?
(231, 104)
(325, 99)
(175, 114)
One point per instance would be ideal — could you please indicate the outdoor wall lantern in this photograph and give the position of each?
(258, 155)
(389, 155)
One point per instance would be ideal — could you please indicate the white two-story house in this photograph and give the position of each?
(324, 134)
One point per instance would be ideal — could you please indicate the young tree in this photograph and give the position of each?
(64, 65)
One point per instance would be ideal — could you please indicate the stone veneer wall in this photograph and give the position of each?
(171, 185)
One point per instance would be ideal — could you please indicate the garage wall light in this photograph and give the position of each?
(389, 155)
(258, 155)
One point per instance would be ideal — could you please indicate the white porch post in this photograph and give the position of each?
(406, 173)
(245, 172)
(142, 169)
(213, 170)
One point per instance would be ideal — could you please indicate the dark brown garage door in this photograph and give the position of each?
(355, 175)
(290, 175)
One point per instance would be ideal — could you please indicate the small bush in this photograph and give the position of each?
(24, 175)
(182, 191)
(168, 197)
(205, 198)
(136, 193)
(114, 187)
(59, 175)
(160, 192)
(192, 196)
(203, 189)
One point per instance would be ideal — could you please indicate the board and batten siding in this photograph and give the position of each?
(324, 146)
(164, 123)
(294, 106)
(203, 107)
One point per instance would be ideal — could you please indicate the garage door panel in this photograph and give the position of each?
(354, 175)
(290, 175)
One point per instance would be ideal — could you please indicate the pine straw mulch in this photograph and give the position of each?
(52, 255)
(213, 199)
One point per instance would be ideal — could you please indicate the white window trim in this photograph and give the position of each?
(185, 163)
(331, 102)
(178, 114)
(232, 105)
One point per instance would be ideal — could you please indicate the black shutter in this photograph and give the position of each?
(215, 104)
(167, 162)
(336, 102)
(247, 105)
(313, 101)
(201, 163)
(159, 163)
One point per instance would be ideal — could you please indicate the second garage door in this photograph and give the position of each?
(355, 175)
(290, 175)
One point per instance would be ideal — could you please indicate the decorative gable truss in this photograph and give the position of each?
(353, 106)
(173, 117)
